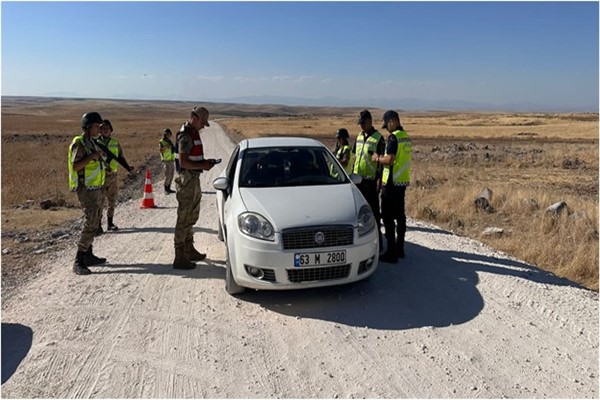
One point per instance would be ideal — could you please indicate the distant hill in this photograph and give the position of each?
(408, 104)
(269, 106)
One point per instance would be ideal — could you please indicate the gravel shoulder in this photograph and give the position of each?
(453, 319)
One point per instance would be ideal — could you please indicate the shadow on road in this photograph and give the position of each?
(207, 269)
(430, 288)
(16, 342)
(169, 230)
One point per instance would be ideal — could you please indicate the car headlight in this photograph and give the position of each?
(366, 220)
(256, 226)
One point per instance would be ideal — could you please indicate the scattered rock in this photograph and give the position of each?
(557, 208)
(483, 199)
(491, 231)
(46, 204)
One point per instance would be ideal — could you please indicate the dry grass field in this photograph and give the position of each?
(529, 161)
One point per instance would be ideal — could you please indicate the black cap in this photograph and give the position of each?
(388, 116)
(364, 114)
(343, 133)
(167, 130)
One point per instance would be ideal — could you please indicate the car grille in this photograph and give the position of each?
(318, 274)
(304, 238)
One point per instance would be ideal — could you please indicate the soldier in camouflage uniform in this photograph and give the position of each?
(86, 178)
(111, 186)
(191, 164)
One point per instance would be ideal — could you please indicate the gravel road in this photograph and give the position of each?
(455, 319)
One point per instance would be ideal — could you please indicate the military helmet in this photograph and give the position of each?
(107, 123)
(90, 118)
(343, 133)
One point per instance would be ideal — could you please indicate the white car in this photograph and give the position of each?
(291, 218)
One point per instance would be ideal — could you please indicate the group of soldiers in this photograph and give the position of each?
(94, 155)
(93, 159)
(384, 166)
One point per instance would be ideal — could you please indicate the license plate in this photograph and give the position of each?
(316, 259)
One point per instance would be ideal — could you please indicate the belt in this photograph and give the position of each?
(192, 171)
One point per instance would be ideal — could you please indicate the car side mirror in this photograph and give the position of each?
(221, 183)
(355, 178)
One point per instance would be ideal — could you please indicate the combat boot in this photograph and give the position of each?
(390, 255)
(400, 248)
(181, 262)
(91, 259)
(167, 191)
(79, 266)
(191, 253)
(111, 226)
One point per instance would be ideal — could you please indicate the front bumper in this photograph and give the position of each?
(263, 265)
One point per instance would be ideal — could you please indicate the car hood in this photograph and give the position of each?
(287, 207)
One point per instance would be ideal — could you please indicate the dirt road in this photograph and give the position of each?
(453, 319)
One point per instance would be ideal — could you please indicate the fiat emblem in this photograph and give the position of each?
(319, 238)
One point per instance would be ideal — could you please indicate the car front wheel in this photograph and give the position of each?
(230, 285)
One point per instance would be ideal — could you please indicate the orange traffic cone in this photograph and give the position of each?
(148, 200)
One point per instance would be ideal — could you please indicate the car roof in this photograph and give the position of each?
(280, 141)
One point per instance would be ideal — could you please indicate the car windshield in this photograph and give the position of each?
(289, 166)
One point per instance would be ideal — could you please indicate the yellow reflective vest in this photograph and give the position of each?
(166, 154)
(401, 167)
(93, 173)
(113, 146)
(341, 150)
(363, 165)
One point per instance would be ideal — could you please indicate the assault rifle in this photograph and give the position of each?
(110, 156)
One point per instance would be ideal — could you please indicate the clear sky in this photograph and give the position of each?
(477, 52)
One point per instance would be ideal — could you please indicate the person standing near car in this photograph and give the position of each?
(189, 194)
(396, 177)
(342, 150)
(111, 186)
(86, 178)
(368, 142)
(167, 156)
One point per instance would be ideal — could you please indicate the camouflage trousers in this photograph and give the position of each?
(90, 201)
(109, 195)
(169, 172)
(189, 195)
